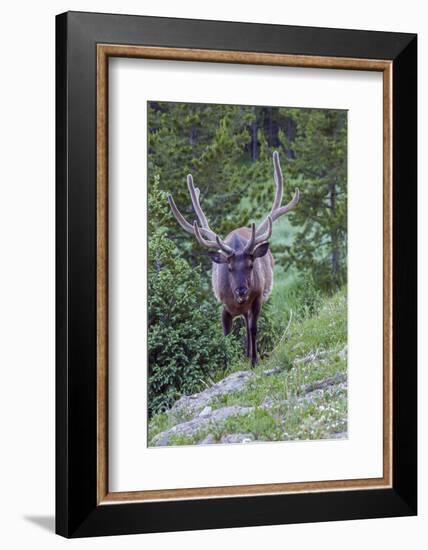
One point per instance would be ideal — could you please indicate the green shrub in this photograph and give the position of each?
(185, 342)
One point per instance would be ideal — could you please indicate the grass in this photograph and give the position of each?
(292, 415)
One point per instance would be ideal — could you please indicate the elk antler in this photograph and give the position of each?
(211, 240)
(217, 244)
(278, 210)
(255, 240)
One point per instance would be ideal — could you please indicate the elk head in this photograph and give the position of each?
(241, 248)
(238, 257)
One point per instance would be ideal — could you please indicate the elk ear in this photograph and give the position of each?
(218, 257)
(261, 250)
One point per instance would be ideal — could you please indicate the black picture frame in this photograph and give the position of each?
(77, 511)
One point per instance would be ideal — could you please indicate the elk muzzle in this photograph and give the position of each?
(241, 294)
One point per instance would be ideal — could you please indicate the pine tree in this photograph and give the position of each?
(319, 168)
(207, 141)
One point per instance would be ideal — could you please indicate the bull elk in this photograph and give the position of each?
(242, 271)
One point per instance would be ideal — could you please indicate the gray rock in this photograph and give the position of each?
(237, 438)
(309, 358)
(311, 392)
(208, 440)
(339, 435)
(161, 439)
(270, 372)
(268, 403)
(194, 414)
(190, 405)
(205, 411)
(314, 394)
(321, 355)
(343, 354)
(192, 427)
(321, 384)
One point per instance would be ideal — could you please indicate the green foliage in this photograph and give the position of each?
(298, 297)
(184, 338)
(228, 149)
(207, 141)
(313, 349)
(319, 168)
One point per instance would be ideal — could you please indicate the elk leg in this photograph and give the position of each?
(227, 321)
(255, 311)
(247, 327)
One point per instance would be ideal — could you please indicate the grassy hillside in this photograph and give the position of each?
(298, 392)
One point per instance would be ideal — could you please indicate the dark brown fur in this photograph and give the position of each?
(260, 282)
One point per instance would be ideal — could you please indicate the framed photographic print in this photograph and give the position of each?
(236, 274)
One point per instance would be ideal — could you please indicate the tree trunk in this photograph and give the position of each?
(335, 256)
(192, 136)
(254, 140)
(270, 141)
(157, 262)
